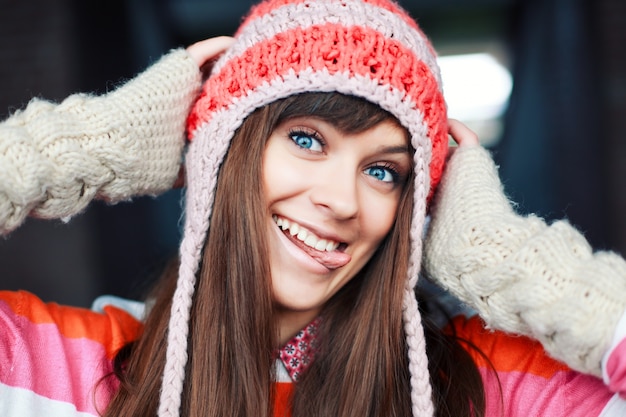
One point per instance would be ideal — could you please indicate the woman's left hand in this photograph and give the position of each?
(462, 134)
(521, 275)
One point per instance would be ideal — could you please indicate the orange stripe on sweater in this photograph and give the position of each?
(113, 329)
(507, 353)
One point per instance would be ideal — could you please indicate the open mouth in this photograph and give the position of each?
(305, 236)
(329, 253)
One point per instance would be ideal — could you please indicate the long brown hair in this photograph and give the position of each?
(361, 368)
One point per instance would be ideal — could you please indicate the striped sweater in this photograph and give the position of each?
(57, 361)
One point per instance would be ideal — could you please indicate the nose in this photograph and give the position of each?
(336, 191)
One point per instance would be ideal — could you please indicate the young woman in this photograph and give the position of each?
(316, 146)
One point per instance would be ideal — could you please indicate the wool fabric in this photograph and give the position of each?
(56, 158)
(367, 48)
(519, 273)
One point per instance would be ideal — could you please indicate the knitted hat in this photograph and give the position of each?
(366, 48)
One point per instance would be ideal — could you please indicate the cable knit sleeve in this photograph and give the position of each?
(521, 274)
(56, 158)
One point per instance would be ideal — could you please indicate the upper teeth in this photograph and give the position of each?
(307, 237)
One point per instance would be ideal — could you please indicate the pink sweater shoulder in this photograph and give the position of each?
(56, 360)
(521, 380)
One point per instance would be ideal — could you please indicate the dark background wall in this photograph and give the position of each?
(562, 151)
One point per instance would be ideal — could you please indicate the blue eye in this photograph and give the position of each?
(382, 174)
(307, 141)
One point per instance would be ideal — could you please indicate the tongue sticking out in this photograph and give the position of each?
(331, 260)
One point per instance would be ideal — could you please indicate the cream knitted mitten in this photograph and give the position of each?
(521, 275)
(54, 159)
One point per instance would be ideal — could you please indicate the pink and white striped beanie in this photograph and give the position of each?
(367, 48)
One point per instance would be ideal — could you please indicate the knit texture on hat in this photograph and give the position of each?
(366, 48)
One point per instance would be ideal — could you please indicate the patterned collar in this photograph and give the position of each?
(299, 352)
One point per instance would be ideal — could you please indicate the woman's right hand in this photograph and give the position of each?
(204, 52)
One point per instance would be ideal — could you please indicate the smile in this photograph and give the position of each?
(307, 237)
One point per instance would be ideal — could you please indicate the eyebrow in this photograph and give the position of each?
(393, 149)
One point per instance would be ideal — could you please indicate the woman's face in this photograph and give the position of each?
(332, 198)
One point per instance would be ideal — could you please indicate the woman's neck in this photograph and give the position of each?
(291, 322)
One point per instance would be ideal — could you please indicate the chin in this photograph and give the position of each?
(298, 304)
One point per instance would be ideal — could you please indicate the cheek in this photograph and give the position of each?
(383, 219)
(271, 177)
(282, 175)
(272, 171)
(379, 215)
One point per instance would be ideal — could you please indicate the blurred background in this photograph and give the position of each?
(542, 81)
